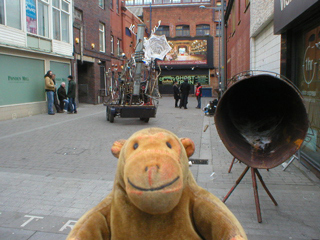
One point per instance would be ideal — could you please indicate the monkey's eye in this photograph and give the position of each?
(135, 146)
(169, 145)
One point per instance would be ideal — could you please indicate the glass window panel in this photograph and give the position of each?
(163, 30)
(43, 28)
(128, 3)
(157, 1)
(1, 11)
(78, 14)
(112, 47)
(203, 29)
(138, 2)
(166, 1)
(118, 47)
(176, 1)
(56, 3)
(56, 24)
(101, 38)
(101, 3)
(182, 30)
(14, 20)
(65, 6)
(65, 26)
(147, 1)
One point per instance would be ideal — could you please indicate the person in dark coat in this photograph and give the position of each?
(62, 95)
(55, 99)
(176, 93)
(184, 89)
(72, 95)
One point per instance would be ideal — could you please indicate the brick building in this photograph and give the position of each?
(237, 19)
(101, 36)
(193, 33)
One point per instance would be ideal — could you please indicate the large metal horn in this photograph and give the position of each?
(261, 120)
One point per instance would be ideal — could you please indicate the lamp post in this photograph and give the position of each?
(222, 47)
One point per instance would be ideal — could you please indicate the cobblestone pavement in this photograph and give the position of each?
(55, 168)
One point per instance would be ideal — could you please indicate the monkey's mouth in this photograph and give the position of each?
(153, 189)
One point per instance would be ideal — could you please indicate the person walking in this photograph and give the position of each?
(55, 98)
(63, 98)
(72, 95)
(184, 89)
(199, 94)
(49, 88)
(176, 93)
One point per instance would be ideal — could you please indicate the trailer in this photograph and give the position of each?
(135, 94)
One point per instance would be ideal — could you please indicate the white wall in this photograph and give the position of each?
(265, 50)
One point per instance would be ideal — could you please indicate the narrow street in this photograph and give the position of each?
(55, 168)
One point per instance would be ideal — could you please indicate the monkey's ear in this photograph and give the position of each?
(188, 146)
(117, 146)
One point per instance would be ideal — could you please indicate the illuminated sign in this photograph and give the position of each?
(192, 79)
(187, 52)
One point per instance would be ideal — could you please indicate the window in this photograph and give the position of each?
(163, 30)
(118, 47)
(60, 18)
(182, 30)
(111, 4)
(102, 37)
(43, 22)
(128, 32)
(112, 47)
(218, 30)
(7, 8)
(101, 4)
(203, 29)
(78, 14)
(138, 2)
(117, 5)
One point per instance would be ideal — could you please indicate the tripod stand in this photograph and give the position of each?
(254, 173)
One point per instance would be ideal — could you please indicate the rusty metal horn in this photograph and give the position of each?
(261, 119)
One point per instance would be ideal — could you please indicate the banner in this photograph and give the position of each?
(31, 16)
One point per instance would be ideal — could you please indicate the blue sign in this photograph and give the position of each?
(31, 9)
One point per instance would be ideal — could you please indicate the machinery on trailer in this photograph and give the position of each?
(135, 93)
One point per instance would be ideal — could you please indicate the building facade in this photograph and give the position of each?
(35, 36)
(237, 19)
(298, 23)
(92, 49)
(194, 39)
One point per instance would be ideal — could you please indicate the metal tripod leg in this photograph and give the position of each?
(237, 183)
(234, 158)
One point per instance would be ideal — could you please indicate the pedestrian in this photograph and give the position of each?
(199, 94)
(63, 98)
(184, 89)
(55, 98)
(72, 95)
(49, 88)
(176, 93)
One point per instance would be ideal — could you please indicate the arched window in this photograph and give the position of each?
(163, 30)
(182, 30)
(203, 29)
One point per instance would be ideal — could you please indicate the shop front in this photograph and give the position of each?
(298, 22)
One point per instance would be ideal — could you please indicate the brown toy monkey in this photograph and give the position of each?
(156, 197)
